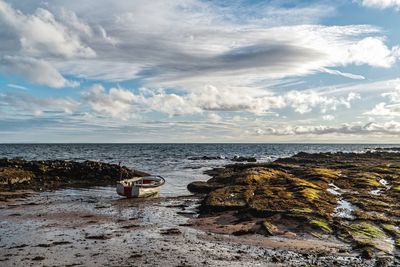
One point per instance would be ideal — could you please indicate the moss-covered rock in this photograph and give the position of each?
(270, 228)
(226, 198)
(322, 225)
(13, 176)
(302, 193)
(367, 234)
(394, 231)
(203, 187)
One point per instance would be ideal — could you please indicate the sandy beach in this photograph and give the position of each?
(93, 227)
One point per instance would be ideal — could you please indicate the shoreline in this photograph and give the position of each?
(92, 226)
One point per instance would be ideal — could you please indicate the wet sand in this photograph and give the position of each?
(94, 227)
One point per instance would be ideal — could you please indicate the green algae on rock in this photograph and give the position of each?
(321, 224)
(353, 197)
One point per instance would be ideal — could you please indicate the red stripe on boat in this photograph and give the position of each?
(128, 191)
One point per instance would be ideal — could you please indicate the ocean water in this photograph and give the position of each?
(172, 161)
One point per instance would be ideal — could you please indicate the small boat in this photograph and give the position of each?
(147, 186)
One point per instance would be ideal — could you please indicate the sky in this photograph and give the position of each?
(199, 71)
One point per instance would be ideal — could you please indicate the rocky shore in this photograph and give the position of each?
(346, 197)
(325, 209)
(19, 174)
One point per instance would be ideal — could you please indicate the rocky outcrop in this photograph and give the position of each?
(243, 159)
(207, 158)
(52, 174)
(235, 158)
(348, 196)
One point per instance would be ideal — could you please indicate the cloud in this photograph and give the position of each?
(41, 35)
(382, 4)
(303, 102)
(36, 71)
(252, 100)
(101, 70)
(328, 117)
(16, 86)
(31, 42)
(116, 102)
(119, 101)
(344, 74)
(22, 101)
(385, 110)
(394, 95)
(277, 53)
(374, 52)
(190, 44)
(391, 109)
(386, 128)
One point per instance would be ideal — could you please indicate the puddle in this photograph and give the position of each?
(378, 192)
(344, 210)
(334, 190)
(384, 183)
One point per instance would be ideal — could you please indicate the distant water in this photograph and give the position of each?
(172, 161)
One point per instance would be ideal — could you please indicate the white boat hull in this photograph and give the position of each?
(148, 186)
(136, 192)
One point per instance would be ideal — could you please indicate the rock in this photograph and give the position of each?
(98, 237)
(384, 262)
(201, 187)
(171, 231)
(243, 232)
(275, 259)
(38, 258)
(207, 158)
(243, 159)
(226, 198)
(53, 174)
(367, 253)
(369, 234)
(130, 226)
(270, 228)
(303, 195)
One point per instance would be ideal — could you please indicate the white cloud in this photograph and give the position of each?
(214, 118)
(256, 101)
(394, 96)
(31, 43)
(71, 20)
(190, 44)
(304, 102)
(385, 128)
(36, 71)
(40, 34)
(344, 74)
(16, 86)
(328, 117)
(100, 70)
(374, 52)
(384, 109)
(381, 3)
(116, 102)
(26, 102)
(171, 104)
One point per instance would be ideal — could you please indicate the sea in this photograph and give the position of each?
(179, 164)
